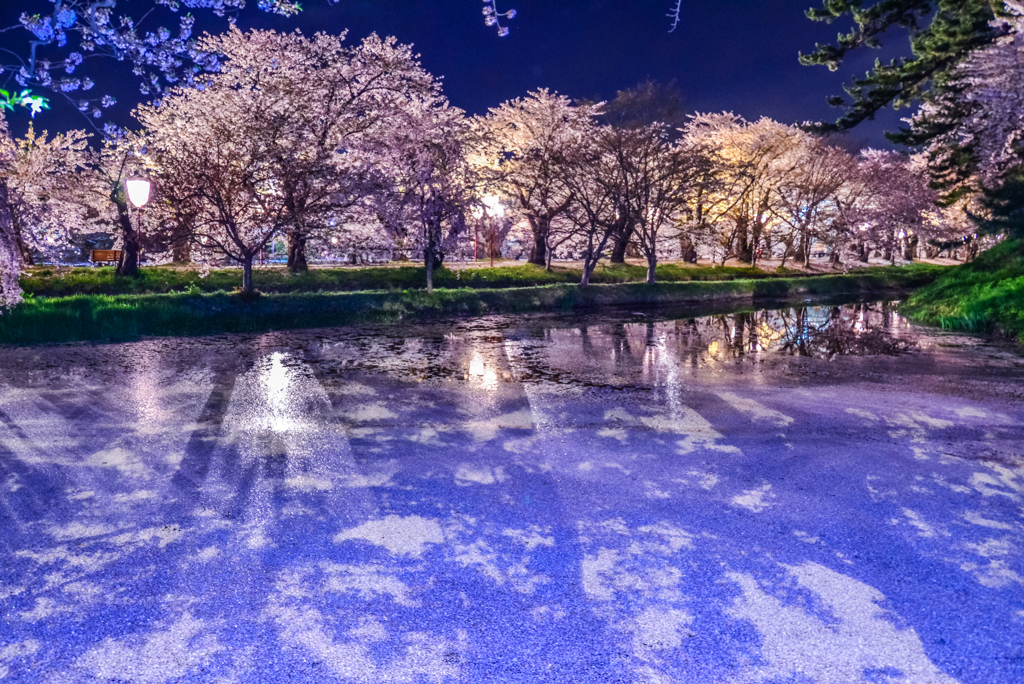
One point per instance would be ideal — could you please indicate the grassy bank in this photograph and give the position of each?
(46, 282)
(986, 295)
(121, 317)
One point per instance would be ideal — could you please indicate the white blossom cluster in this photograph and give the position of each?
(160, 56)
(48, 195)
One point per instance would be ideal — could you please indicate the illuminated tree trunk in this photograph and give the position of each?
(585, 280)
(862, 252)
(432, 256)
(620, 245)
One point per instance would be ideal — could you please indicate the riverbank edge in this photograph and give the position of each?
(125, 317)
(983, 296)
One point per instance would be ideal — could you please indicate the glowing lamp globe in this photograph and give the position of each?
(493, 206)
(138, 191)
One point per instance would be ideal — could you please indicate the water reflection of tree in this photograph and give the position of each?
(826, 332)
(818, 332)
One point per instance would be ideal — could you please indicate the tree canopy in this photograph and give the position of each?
(942, 35)
(965, 73)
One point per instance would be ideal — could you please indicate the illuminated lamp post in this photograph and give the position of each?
(478, 214)
(494, 209)
(138, 194)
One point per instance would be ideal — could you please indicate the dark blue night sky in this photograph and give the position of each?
(738, 55)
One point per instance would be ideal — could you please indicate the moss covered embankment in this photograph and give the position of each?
(122, 317)
(985, 295)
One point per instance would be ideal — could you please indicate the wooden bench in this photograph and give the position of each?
(107, 255)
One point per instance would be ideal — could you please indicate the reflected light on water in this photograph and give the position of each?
(279, 385)
(484, 372)
(145, 392)
(766, 335)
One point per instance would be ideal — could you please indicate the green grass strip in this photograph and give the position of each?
(47, 282)
(124, 317)
(985, 295)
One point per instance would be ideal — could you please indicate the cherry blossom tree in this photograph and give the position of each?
(652, 181)
(894, 208)
(805, 202)
(154, 36)
(966, 72)
(976, 123)
(596, 207)
(750, 161)
(141, 33)
(525, 141)
(42, 198)
(44, 184)
(328, 100)
(430, 185)
(212, 150)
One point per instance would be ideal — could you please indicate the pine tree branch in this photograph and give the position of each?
(957, 27)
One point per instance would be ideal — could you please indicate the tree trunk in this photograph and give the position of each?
(742, 243)
(910, 248)
(10, 266)
(541, 228)
(428, 261)
(297, 252)
(128, 265)
(247, 275)
(587, 270)
(23, 248)
(652, 265)
(686, 250)
(181, 250)
(620, 242)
